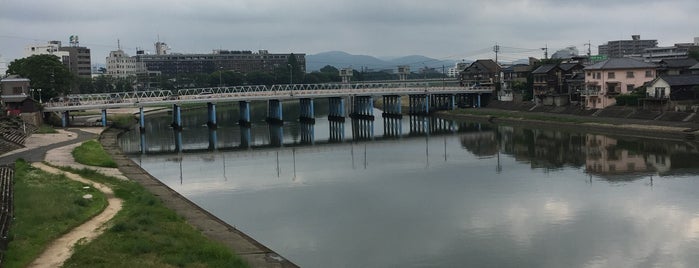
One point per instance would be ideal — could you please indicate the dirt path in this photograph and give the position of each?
(61, 249)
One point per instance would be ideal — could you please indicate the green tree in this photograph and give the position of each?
(259, 78)
(45, 72)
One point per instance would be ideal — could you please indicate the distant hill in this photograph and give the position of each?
(339, 59)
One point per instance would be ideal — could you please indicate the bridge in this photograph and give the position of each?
(424, 97)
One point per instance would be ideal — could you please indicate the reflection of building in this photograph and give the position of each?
(606, 158)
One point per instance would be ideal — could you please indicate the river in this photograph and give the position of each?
(459, 195)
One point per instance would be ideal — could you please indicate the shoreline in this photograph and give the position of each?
(607, 126)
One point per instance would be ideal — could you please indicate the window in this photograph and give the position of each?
(630, 88)
(589, 73)
(649, 73)
(610, 75)
(629, 75)
(599, 75)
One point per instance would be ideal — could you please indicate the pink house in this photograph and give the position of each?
(607, 79)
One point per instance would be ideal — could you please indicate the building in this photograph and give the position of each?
(555, 84)
(622, 48)
(480, 73)
(676, 66)
(607, 79)
(120, 64)
(458, 68)
(665, 91)
(14, 85)
(76, 58)
(238, 61)
(694, 69)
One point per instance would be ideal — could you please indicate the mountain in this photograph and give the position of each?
(339, 59)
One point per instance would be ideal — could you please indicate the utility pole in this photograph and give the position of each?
(496, 49)
(589, 49)
(546, 51)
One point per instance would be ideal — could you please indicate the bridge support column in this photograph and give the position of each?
(245, 136)
(427, 104)
(244, 113)
(363, 107)
(276, 134)
(392, 107)
(213, 139)
(307, 133)
(143, 142)
(452, 102)
(306, 111)
(65, 119)
(104, 117)
(211, 109)
(336, 111)
(141, 120)
(274, 112)
(176, 117)
(178, 140)
(337, 131)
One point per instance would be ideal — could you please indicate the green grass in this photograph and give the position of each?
(122, 121)
(46, 129)
(46, 207)
(147, 234)
(524, 115)
(91, 153)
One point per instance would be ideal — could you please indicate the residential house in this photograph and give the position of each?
(607, 79)
(694, 69)
(481, 73)
(513, 76)
(672, 92)
(555, 84)
(676, 66)
(16, 95)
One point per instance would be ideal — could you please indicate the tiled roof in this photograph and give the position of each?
(567, 66)
(679, 63)
(544, 69)
(695, 67)
(681, 80)
(620, 63)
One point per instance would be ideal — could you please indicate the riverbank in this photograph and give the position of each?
(683, 131)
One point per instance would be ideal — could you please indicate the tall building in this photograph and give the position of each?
(76, 58)
(239, 61)
(622, 48)
(120, 64)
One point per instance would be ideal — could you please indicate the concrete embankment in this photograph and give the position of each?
(256, 254)
(681, 131)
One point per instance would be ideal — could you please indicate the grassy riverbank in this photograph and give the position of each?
(146, 234)
(524, 115)
(46, 207)
(91, 153)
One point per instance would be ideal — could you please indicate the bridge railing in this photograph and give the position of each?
(263, 91)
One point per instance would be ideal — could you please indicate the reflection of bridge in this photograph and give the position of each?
(361, 130)
(424, 97)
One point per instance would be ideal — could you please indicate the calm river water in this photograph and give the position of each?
(461, 195)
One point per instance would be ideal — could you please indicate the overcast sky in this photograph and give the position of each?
(442, 29)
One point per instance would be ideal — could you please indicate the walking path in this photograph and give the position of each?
(61, 249)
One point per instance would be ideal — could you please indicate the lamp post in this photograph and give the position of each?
(38, 89)
(291, 79)
(220, 78)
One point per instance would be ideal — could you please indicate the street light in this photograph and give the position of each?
(291, 79)
(220, 79)
(38, 89)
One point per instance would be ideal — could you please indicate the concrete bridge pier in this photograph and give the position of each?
(419, 104)
(336, 111)
(244, 111)
(65, 119)
(362, 129)
(306, 111)
(245, 136)
(419, 125)
(307, 131)
(141, 120)
(213, 139)
(392, 106)
(276, 135)
(274, 112)
(176, 117)
(211, 110)
(363, 107)
(104, 117)
(392, 127)
(144, 148)
(337, 131)
(178, 140)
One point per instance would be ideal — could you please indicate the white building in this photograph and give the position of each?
(120, 64)
(3, 66)
(50, 48)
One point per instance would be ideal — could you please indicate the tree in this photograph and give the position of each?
(45, 72)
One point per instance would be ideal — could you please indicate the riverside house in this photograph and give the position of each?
(607, 79)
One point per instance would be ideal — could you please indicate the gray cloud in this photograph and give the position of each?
(446, 28)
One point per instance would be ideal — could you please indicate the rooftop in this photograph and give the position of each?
(620, 63)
